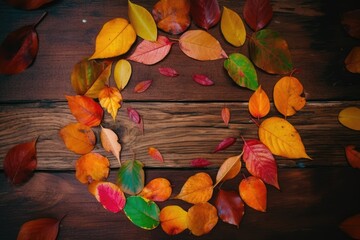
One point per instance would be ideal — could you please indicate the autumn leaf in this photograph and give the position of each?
(92, 167)
(259, 103)
(122, 73)
(253, 192)
(202, 80)
(225, 115)
(241, 71)
(28, 4)
(270, 52)
(20, 162)
(197, 188)
(131, 177)
(224, 144)
(110, 98)
(172, 16)
(232, 27)
(168, 72)
(352, 156)
(287, 96)
(78, 138)
(351, 226)
(260, 162)
(173, 219)
(85, 110)
(205, 13)
(109, 195)
(351, 22)
(200, 45)
(202, 218)
(155, 154)
(257, 13)
(230, 207)
(350, 117)
(143, 213)
(229, 169)
(200, 162)
(157, 190)
(109, 141)
(142, 21)
(40, 228)
(352, 60)
(282, 138)
(142, 86)
(135, 117)
(115, 38)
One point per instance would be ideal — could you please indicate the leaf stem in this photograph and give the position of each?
(40, 19)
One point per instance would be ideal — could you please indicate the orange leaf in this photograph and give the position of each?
(351, 226)
(229, 169)
(109, 141)
(352, 60)
(253, 192)
(155, 154)
(142, 86)
(225, 115)
(92, 167)
(259, 103)
(78, 138)
(40, 229)
(173, 219)
(85, 110)
(110, 99)
(352, 156)
(202, 217)
(158, 190)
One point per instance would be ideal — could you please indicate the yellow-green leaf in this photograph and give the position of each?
(122, 73)
(232, 27)
(350, 117)
(142, 21)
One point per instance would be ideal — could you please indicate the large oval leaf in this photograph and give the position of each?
(241, 70)
(158, 190)
(78, 138)
(173, 219)
(142, 21)
(202, 217)
(350, 117)
(232, 27)
(131, 177)
(257, 13)
(205, 13)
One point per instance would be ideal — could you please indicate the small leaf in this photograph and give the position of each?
(92, 167)
(131, 177)
(225, 115)
(122, 73)
(230, 207)
(85, 110)
(78, 138)
(142, 86)
(142, 21)
(352, 156)
(155, 154)
(20, 162)
(351, 22)
(157, 190)
(232, 27)
(259, 103)
(202, 218)
(350, 117)
(110, 99)
(168, 72)
(202, 80)
(224, 144)
(41, 229)
(351, 226)
(241, 71)
(141, 212)
(205, 13)
(229, 169)
(198, 188)
(257, 13)
(173, 219)
(133, 115)
(352, 60)
(28, 4)
(109, 141)
(200, 162)
(253, 192)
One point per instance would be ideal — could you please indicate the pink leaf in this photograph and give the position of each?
(202, 80)
(133, 115)
(169, 72)
(225, 114)
(155, 154)
(227, 142)
(200, 162)
(142, 86)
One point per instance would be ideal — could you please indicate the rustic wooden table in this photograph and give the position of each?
(182, 119)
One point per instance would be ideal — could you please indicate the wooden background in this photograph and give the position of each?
(182, 119)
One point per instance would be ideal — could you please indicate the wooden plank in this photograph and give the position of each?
(311, 204)
(316, 39)
(181, 131)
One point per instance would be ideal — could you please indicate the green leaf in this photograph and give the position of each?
(141, 212)
(270, 52)
(241, 70)
(131, 177)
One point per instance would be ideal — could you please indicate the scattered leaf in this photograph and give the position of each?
(202, 217)
(28, 4)
(350, 117)
(173, 219)
(352, 156)
(110, 99)
(142, 86)
(155, 154)
(168, 72)
(142, 21)
(131, 177)
(92, 167)
(224, 144)
(20, 162)
(205, 13)
(351, 226)
(202, 80)
(352, 60)
(122, 73)
(85, 110)
(241, 71)
(257, 13)
(200, 162)
(136, 118)
(41, 229)
(229, 169)
(259, 103)
(230, 207)
(198, 188)
(225, 115)
(157, 190)
(351, 22)
(232, 27)
(253, 192)
(143, 213)
(115, 38)
(78, 138)
(109, 141)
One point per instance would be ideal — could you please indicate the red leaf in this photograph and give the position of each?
(260, 162)
(133, 115)
(155, 154)
(225, 115)
(230, 207)
(169, 72)
(20, 162)
(200, 162)
(142, 86)
(227, 142)
(257, 13)
(352, 156)
(202, 80)
(28, 4)
(205, 13)
(41, 229)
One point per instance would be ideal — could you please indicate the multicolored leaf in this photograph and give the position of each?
(92, 167)
(40, 228)
(225, 115)
(352, 60)
(173, 219)
(168, 72)
(202, 218)
(157, 190)
(122, 73)
(350, 118)
(229, 169)
(257, 13)
(353, 156)
(351, 226)
(142, 21)
(131, 177)
(202, 80)
(78, 138)
(109, 141)
(259, 103)
(253, 192)
(224, 144)
(142, 86)
(28, 4)
(232, 27)
(200, 162)
(230, 207)
(85, 110)
(205, 13)
(155, 154)
(110, 98)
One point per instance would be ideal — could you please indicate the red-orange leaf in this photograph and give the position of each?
(20, 162)
(28, 4)
(85, 110)
(202, 80)
(230, 207)
(142, 86)
(169, 72)
(39, 229)
(351, 226)
(225, 115)
(158, 190)
(200, 162)
(352, 156)
(259, 103)
(227, 142)
(155, 154)
(253, 192)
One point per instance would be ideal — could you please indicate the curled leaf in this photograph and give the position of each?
(232, 27)
(229, 169)
(352, 156)
(158, 190)
(253, 192)
(202, 80)
(257, 13)
(155, 154)
(259, 103)
(169, 72)
(78, 138)
(122, 73)
(110, 98)
(202, 218)
(142, 21)
(205, 13)
(173, 219)
(230, 207)
(85, 110)
(350, 117)
(142, 86)
(41, 228)
(224, 144)
(225, 115)
(352, 60)
(131, 177)
(92, 167)
(109, 141)
(200, 162)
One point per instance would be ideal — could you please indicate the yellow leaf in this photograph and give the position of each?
(202, 217)
(287, 97)
(173, 219)
(115, 38)
(110, 99)
(350, 117)
(200, 45)
(122, 73)
(282, 138)
(142, 21)
(259, 103)
(229, 169)
(352, 61)
(92, 167)
(100, 83)
(109, 141)
(232, 27)
(198, 188)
